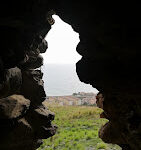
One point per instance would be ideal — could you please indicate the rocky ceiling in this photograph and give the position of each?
(110, 48)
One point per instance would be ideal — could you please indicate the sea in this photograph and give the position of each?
(62, 80)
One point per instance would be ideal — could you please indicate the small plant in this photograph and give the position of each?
(77, 138)
(89, 136)
(101, 146)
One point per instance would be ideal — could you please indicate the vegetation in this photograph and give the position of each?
(77, 129)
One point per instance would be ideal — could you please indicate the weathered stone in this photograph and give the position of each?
(13, 107)
(24, 130)
(21, 135)
(110, 134)
(32, 86)
(12, 82)
(40, 120)
(43, 46)
(23, 30)
(33, 62)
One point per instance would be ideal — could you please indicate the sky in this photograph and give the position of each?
(62, 42)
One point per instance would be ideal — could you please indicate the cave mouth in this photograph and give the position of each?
(72, 101)
(110, 43)
(60, 61)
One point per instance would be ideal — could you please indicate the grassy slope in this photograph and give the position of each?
(77, 129)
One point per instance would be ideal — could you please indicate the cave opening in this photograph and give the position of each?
(72, 101)
(60, 61)
(109, 43)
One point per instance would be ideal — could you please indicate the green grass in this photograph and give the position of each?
(77, 129)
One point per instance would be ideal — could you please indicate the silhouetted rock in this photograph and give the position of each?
(23, 27)
(32, 86)
(11, 83)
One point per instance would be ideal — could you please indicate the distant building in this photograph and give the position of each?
(70, 103)
(79, 98)
(61, 104)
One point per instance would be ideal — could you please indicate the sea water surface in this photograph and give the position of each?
(61, 79)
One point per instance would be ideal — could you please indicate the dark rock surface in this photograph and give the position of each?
(110, 48)
(24, 121)
(11, 84)
(32, 83)
(13, 107)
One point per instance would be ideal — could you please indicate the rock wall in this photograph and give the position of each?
(24, 120)
(110, 48)
(110, 35)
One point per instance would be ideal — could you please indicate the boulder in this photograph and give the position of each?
(13, 107)
(33, 86)
(11, 83)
